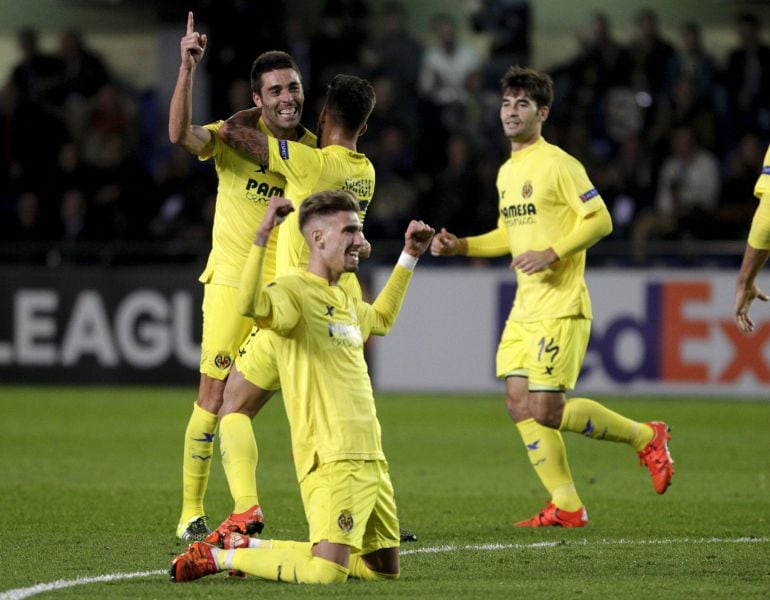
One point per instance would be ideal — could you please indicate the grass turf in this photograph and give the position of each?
(90, 486)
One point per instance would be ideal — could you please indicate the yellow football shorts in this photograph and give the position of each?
(549, 352)
(351, 502)
(257, 360)
(224, 330)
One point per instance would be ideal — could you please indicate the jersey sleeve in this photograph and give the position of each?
(491, 244)
(215, 148)
(576, 188)
(377, 318)
(762, 187)
(272, 307)
(298, 163)
(286, 309)
(759, 234)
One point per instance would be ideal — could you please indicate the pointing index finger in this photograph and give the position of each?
(190, 23)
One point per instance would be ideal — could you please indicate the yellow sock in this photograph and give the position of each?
(196, 465)
(548, 456)
(358, 568)
(593, 420)
(292, 565)
(239, 459)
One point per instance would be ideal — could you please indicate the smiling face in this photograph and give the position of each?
(281, 99)
(522, 119)
(338, 240)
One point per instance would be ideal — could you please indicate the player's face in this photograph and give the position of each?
(343, 242)
(521, 118)
(281, 99)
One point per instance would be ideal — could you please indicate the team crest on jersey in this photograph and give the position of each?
(283, 149)
(223, 361)
(526, 190)
(345, 521)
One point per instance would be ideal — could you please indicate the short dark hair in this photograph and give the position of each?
(272, 60)
(535, 84)
(326, 203)
(350, 100)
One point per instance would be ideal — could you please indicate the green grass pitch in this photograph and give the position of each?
(90, 486)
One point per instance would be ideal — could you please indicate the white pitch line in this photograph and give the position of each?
(60, 584)
(553, 544)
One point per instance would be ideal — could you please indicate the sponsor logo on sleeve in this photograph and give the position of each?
(283, 148)
(589, 194)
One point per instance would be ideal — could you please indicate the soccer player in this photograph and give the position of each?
(320, 330)
(244, 191)
(756, 254)
(336, 164)
(549, 214)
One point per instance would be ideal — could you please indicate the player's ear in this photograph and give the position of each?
(363, 129)
(317, 235)
(256, 99)
(543, 111)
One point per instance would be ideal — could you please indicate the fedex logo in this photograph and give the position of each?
(681, 332)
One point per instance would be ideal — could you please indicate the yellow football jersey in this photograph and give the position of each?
(327, 391)
(308, 171)
(762, 187)
(243, 193)
(544, 192)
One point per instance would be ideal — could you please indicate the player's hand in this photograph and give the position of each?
(534, 261)
(276, 212)
(192, 45)
(366, 249)
(417, 238)
(445, 244)
(743, 299)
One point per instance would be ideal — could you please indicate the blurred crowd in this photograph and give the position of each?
(672, 137)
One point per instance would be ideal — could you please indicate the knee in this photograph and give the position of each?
(211, 394)
(547, 416)
(246, 399)
(518, 408)
(327, 572)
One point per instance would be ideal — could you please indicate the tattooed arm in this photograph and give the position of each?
(240, 132)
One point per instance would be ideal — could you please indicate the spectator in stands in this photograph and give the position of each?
(627, 184)
(112, 113)
(747, 81)
(84, 71)
(696, 63)
(446, 64)
(683, 107)
(650, 53)
(582, 83)
(27, 163)
(395, 196)
(337, 43)
(687, 197)
(737, 203)
(392, 52)
(507, 25)
(38, 76)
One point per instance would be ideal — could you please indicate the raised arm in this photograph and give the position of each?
(181, 131)
(386, 307)
(252, 301)
(240, 132)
